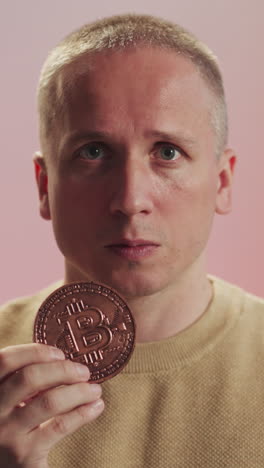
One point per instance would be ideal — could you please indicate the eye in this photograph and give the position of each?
(169, 152)
(92, 151)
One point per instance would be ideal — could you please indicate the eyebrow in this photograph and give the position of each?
(182, 139)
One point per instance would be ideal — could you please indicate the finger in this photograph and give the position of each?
(36, 378)
(13, 358)
(53, 403)
(57, 428)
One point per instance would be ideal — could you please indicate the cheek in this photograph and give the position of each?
(74, 213)
(67, 209)
(191, 205)
(74, 199)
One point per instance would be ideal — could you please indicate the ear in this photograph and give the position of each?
(42, 183)
(226, 168)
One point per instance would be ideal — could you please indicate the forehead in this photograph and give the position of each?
(138, 87)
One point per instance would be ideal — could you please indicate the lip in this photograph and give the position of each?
(132, 243)
(133, 249)
(136, 252)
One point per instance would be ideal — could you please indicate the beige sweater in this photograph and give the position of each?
(195, 400)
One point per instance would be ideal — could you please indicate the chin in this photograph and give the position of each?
(130, 283)
(133, 287)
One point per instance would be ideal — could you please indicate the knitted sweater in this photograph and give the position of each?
(195, 400)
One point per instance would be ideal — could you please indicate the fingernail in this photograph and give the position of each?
(97, 405)
(96, 389)
(57, 353)
(82, 370)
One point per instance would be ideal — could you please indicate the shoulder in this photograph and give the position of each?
(17, 316)
(246, 307)
(20, 303)
(233, 290)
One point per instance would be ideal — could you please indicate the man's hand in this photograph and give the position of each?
(43, 398)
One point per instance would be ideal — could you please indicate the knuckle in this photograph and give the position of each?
(66, 366)
(41, 351)
(27, 376)
(48, 403)
(83, 390)
(88, 392)
(83, 413)
(60, 426)
(89, 412)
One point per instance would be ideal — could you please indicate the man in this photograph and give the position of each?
(133, 166)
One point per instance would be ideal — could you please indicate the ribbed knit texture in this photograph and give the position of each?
(195, 400)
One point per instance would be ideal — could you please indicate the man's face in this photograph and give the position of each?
(151, 173)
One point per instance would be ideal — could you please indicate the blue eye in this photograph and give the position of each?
(169, 152)
(92, 151)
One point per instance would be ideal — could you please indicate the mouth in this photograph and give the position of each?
(133, 250)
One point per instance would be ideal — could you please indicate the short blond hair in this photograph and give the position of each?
(121, 32)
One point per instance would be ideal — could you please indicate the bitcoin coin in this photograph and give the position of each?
(91, 323)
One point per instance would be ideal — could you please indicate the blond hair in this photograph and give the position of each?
(121, 32)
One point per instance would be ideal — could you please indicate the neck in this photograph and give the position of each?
(170, 312)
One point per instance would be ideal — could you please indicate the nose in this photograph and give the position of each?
(132, 189)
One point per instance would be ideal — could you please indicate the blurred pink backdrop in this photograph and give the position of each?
(233, 29)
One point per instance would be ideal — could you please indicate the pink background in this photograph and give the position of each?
(232, 28)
